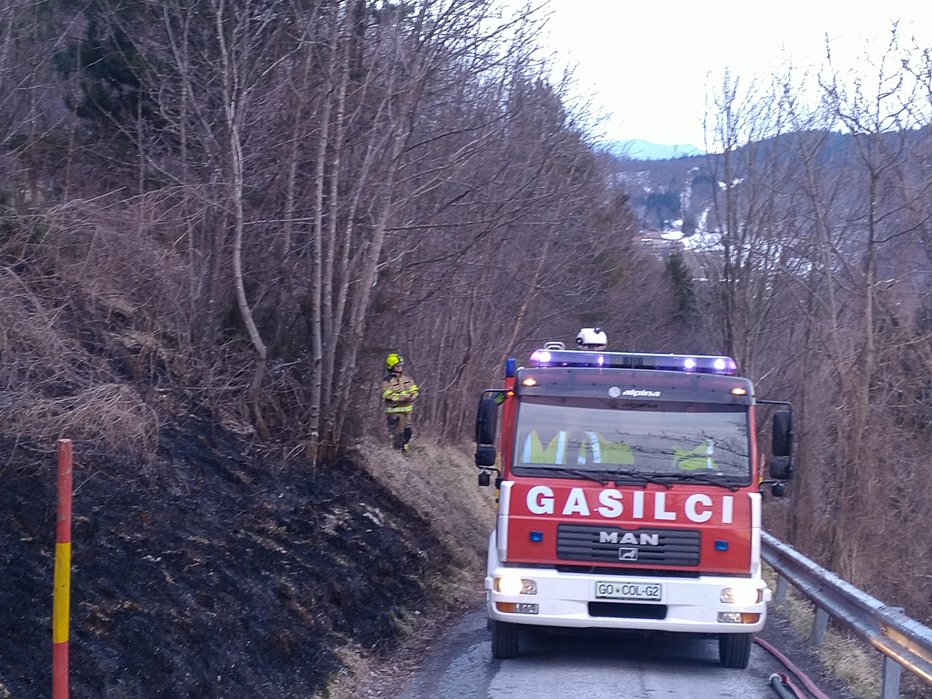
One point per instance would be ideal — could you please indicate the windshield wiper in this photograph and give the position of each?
(699, 478)
(597, 476)
(643, 478)
(606, 476)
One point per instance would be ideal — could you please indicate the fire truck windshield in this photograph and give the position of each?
(675, 441)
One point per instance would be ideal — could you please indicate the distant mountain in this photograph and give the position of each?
(637, 149)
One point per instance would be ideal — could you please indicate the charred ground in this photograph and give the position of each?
(212, 570)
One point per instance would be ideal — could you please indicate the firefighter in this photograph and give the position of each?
(399, 393)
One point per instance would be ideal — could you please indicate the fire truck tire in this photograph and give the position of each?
(734, 649)
(504, 640)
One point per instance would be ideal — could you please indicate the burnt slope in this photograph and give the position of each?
(209, 572)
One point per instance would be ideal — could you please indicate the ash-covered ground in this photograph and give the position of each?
(210, 571)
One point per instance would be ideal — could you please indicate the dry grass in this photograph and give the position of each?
(440, 484)
(852, 662)
(51, 386)
(842, 655)
(355, 668)
(111, 414)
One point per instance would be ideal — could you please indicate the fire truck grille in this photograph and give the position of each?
(666, 547)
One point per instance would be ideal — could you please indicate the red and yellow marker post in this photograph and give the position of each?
(61, 601)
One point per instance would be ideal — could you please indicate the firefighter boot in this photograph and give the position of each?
(406, 439)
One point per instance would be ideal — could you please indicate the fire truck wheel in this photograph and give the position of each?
(734, 649)
(504, 640)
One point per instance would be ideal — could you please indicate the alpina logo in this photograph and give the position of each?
(638, 393)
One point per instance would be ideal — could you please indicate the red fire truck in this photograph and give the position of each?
(629, 495)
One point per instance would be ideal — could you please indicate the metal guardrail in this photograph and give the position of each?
(904, 642)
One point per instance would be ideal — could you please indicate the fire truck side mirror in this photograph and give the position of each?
(485, 456)
(486, 420)
(485, 479)
(782, 433)
(781, 468)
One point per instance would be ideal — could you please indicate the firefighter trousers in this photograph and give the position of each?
(399, 429)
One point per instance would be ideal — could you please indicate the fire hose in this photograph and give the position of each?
(781, 682)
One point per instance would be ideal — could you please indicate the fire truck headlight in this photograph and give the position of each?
(513, 585)
(742, 596)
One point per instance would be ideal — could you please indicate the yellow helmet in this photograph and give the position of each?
(393, 360)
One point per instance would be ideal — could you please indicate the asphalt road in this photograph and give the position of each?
(590, 665)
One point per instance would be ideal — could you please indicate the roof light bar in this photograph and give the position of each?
(691, 363)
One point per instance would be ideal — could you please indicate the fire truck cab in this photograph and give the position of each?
(629, 495)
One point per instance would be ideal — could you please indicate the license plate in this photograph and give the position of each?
(646, 592)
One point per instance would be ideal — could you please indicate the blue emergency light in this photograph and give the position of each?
(690, 363)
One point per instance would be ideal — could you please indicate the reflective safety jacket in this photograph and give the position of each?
(592, 448)
(399, 393)
(598, 450)
(698, 459)
(535, 452)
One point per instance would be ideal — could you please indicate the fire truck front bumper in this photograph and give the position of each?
(547, 597)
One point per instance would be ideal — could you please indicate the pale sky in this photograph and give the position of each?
(649, 62)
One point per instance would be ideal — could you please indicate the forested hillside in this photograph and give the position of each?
(216, 218)
(803, 247)
(256, 201)
(228, 212)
